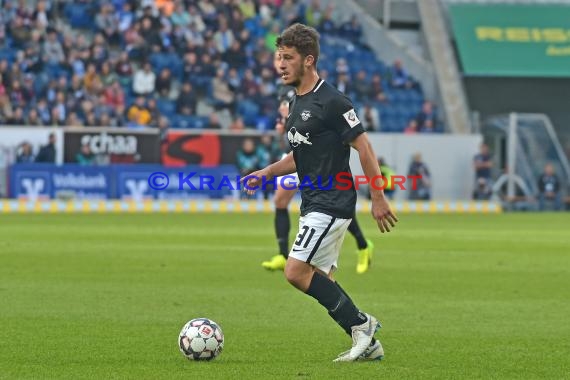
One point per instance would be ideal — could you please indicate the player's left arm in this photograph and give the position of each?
(343, 119)
(381, 210)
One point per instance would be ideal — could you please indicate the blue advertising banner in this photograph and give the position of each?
(129, 182)
(139, 182)
(46, 181)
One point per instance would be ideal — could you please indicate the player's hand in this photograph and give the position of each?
(382, 213)
(253, 181)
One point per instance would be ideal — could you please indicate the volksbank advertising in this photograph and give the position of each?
(513, 40)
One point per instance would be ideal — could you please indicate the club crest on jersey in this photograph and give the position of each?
(305, 115)
(295, 138)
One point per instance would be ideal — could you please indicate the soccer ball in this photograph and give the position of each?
(201, 339)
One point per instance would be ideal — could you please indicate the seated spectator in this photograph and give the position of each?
(25, 154)
(19, 31)
(223, 37)
(114, 96)
(234, 81)
(73, 120)
(377, 89)
(155, 115)
(163, 125)
(60, 107)
(149, 31)
(99, 49)
(549, 195)
(108, 76)
(399, 77)
(289, 12)
(362, 87)
(351, 30)
(52, 50)
(327, 24)
(247, 8)
(180, 16)
(196, 17)
(85, 156)
(164, 83)
(221, 92)
(187, 100)
(428, 127)
(192, 68)
(75, 64)
(124, 68)
(192, 37)
(92, 80)
(369, 118)
(40, 18)
(237, 125)
(107, 23)
(125, 18)
(235, 56)
(249, 85)
(342, 67)
(313, 13)
(133, 41)
(16, 94)
(33, 119)
(144, 81)
(343, 84)
(422, 188)
(138, 113)
(411, 128)
(17, 117)
(28, 89)
(213, 122)
(43, 111)
(426, 118)
(91, 120)
(165, 7)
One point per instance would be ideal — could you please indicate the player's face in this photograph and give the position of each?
(291, 65)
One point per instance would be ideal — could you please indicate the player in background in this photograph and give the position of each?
(283, 197)
(322, 126)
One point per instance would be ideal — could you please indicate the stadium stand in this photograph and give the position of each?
(66, 55)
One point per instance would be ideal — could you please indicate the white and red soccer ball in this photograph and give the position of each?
(201, 339)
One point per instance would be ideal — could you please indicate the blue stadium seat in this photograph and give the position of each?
(79, 15)
(166, 107)
(180, 121)
(8, 54)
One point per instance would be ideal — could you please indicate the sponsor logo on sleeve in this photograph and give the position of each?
(351, 118)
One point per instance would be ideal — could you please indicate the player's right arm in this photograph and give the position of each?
(277, 169)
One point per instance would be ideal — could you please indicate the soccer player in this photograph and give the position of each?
(321, 127)
(283, 197)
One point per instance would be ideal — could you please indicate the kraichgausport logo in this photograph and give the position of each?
(341, 181)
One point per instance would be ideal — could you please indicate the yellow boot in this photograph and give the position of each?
(277, 262)
(365, 257)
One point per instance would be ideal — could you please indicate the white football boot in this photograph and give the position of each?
(361, 337)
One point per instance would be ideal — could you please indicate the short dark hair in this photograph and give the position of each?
(302, 37)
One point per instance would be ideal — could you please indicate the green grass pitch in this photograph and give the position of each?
(104, 297)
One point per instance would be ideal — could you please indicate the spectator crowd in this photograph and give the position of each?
(183, 63)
